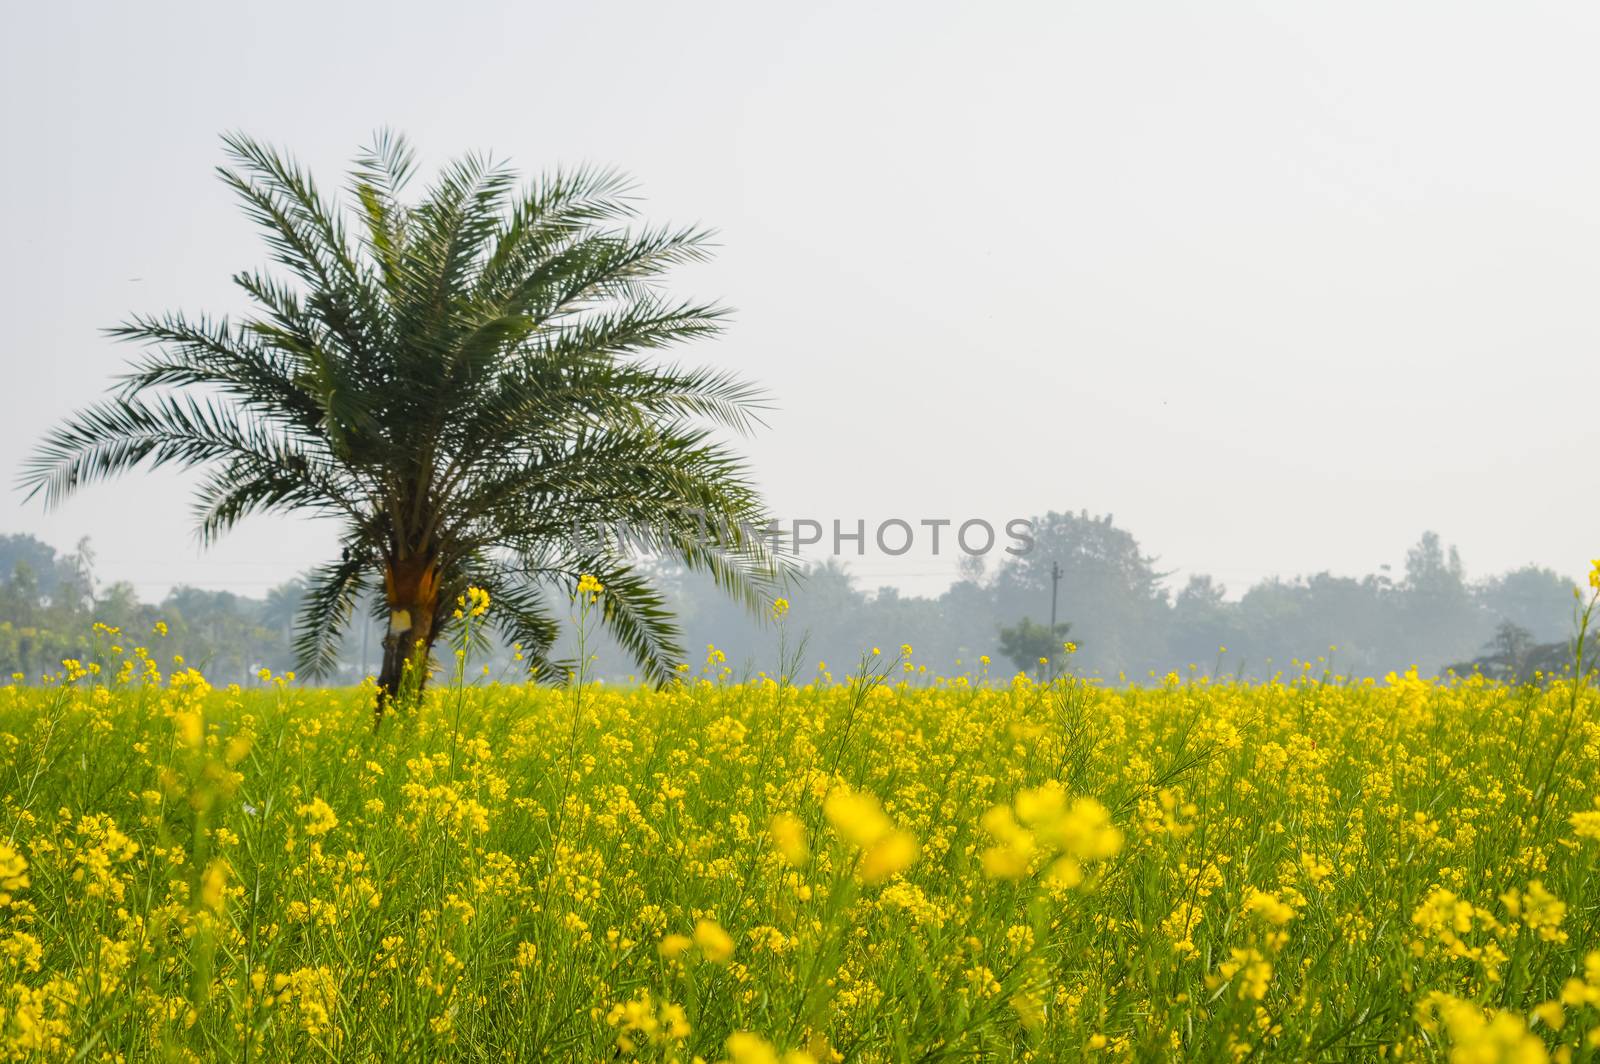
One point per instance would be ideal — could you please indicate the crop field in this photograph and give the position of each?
(881, 866)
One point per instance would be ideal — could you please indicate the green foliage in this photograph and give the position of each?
(1029, 644)
(463, 382)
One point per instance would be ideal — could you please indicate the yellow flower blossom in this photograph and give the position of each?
(715, 944)
(319, 817)
(788, 834)
(1478, 1035)
(859, 819)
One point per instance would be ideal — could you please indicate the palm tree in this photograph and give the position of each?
(283, 604)
(464, 383)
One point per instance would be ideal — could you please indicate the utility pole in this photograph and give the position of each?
(1055, 586)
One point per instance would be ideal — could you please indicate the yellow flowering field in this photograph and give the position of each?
(881, 868)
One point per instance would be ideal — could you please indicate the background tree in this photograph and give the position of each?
(1435, 604)
(460, 381)
(1532, 598)
(284, 603)
(37, 557)
(1202, 622)
(1276, 620)
(1032, 646)
(1108, 583)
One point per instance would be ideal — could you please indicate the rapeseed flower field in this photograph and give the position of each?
(880, 867)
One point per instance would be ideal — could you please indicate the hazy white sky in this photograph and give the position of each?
(1278, 285)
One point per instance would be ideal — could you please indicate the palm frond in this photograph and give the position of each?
(553, 212)
(638, 618)
(217, 354)
(305, 230)
(245, 486)
(116, 435)
(330, 596)
(522, 612)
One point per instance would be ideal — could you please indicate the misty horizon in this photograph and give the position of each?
(1254, 281)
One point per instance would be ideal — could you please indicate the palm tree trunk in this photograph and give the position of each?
(412, 591)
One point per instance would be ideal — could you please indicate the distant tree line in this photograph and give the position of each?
(1114, 599)
(1126, 621)
(50, 602)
